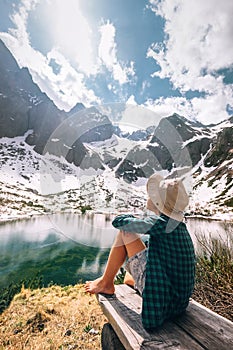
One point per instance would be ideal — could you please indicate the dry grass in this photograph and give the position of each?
(66, 318)
(55, 318)
(214, 277)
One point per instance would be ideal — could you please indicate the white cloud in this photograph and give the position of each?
(199, 39)
(19, 19)
(131, 100)
(69, 83)
(212, 108)
(139, 116)
(108, 55)
(164, 107)
(66, 88)
(209, 109)
(80, 51)
(145, 85)
(72, 34)
(198, 43)
(199, 34)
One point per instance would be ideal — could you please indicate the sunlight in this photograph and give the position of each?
(72, 34)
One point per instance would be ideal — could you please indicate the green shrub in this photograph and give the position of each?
(84, 208)
(8, 293)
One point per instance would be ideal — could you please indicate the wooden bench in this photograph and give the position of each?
(197, 329)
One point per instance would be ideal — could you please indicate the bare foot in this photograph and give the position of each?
(99, 286)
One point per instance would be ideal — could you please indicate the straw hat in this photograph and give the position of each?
(168, 195)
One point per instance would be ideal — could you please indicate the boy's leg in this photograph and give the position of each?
(128, 279)
(126, 244)
(133, 243)
(133, 247)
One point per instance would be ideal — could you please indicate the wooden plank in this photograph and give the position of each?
(123, 311)
(109, 339)
(207, 327)
(128, 337)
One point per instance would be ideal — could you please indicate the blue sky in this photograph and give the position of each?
(163, 56)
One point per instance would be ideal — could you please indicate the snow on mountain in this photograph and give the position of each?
(33, 184)
(213, 176)
(51, 160)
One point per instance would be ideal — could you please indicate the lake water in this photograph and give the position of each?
(68, 248)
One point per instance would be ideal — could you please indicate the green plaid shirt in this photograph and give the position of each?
(170, 266)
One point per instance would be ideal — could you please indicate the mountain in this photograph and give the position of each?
(138, 135)
(174, 143)
(217, 181)
(56, 160)
(22, 104)
(24, 107)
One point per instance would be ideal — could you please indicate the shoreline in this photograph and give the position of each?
(224, 217)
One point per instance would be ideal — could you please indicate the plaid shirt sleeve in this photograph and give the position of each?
(130, 223)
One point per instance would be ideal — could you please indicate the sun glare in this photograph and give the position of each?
(72, 34)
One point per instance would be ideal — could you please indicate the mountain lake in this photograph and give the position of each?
(70, 248)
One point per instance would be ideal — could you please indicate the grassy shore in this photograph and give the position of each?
(54, 318)
(65, 318)
(214, 276)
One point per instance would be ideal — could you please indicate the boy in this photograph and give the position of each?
(164, 273)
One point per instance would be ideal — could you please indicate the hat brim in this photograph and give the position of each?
(153, 185)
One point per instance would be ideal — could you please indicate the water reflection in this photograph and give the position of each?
(92, 230)
(64, 249)
(68, 248)
(205, 230)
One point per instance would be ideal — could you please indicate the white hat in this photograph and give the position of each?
(168, 195)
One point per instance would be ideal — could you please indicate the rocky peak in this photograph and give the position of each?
(24, 107)
(78, 107)
(222, 148)
(183, 128)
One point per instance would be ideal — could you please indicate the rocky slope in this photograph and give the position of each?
(24, 107)
(67, 161)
